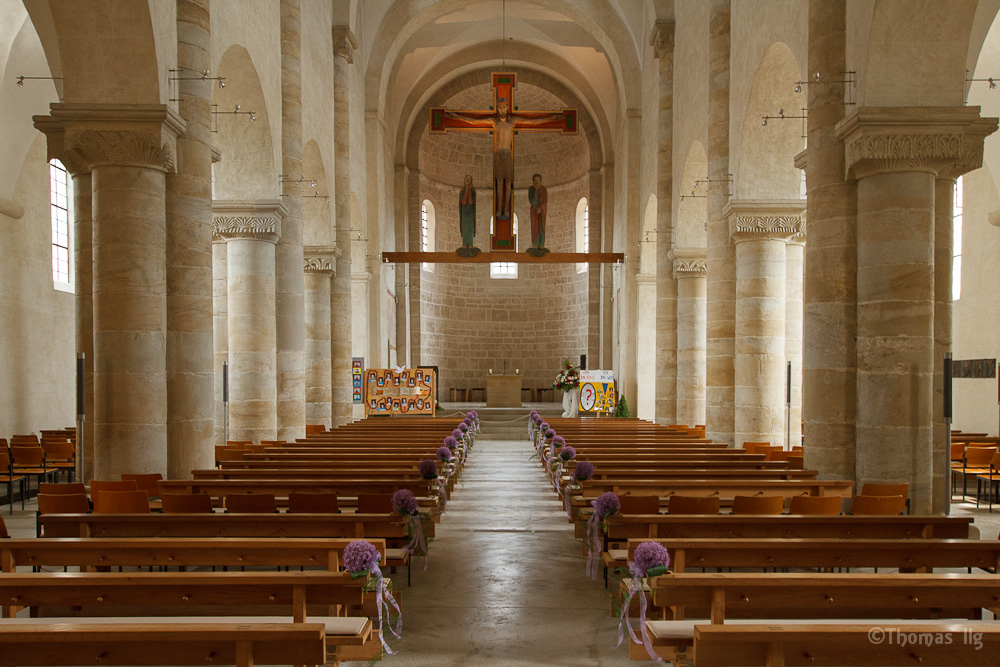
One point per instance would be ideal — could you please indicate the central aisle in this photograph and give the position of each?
(506, 583)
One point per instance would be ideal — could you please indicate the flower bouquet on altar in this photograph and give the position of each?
(568, 380)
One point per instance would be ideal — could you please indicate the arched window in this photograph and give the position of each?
(582, 231)
(427, 231)
(504, 269)
(956, 265)
(59, 203)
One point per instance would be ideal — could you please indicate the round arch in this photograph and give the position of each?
(692, 205)
(317, 214)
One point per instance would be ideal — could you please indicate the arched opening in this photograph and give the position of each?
(582, 231)
(428, 221)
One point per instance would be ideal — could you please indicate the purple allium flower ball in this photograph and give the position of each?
(360, 556)
(467, 421)
(404, 502)
(544, 427)
(605, 504)
(470, 415)
(649, 555)
(558, 441)
(584, 470)
(463, 427)
(537, 418)
(533, 413)
(457, 433)
(428, 469)
(444, 454)
(450, 442)
(550, 433)
(568, 453)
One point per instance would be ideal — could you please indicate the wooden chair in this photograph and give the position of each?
(374, 503)
(273, 443)
(977, 462)
(640, 504)
(888, 489)
(121, 502)
(238, 444)
(877, 505)
(186, 503)
(251, 503)
(97, 487)
(758, 505)
(29, 460)
(752, 447)
(8, 477)
(989, 479)
(28, 439)
(145, 482)
(61, 455)
(313, 429)
(795, 462)
(313, 503)
(692, 505)
(65, 488)
(815, 505)
(64, 503)
(3, 529)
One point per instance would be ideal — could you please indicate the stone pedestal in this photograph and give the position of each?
(251, 230)
(690, 272)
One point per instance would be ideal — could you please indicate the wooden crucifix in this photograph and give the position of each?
(503, 121)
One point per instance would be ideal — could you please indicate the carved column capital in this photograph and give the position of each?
(662, 39)
(344, 44)
(944, 141)
(690, 263)
(320, 259)
(85, 136)
(248, 220)
(757, 220)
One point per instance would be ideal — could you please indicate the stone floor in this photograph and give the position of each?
(505, 584)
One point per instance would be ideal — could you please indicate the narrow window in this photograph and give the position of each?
(582, 231)
(59, 210)
(427, 231)
(504, 269)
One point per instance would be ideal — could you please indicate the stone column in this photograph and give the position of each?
(667, 390)
(289, 279)
(413, 202)
(628, 341)
(794, 256)
(189, 255)
(829, 377)
(220, 321)
(944, 257)
(895, 154)
(720, 397)
(341, 314)
(251, 231)
(128, 150)
(401, 182)
(608, 304)
(690, 273)
(594, 193)
(319, 268)
(761, 230)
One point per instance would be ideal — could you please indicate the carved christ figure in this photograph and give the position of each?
(504, 123)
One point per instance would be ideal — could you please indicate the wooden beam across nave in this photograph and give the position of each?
(510, 257)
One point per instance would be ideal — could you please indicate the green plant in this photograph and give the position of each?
(622, 409)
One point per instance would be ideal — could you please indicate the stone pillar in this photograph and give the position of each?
(720, 350)
(794, 256)
(413, 202)
(628, 340)
(829, 377)
(608, 304)
(944, 257)
(251, 231)
(127, 150)
(895, 154)
(594, 292)
(690, 273)
(189, 255)
(220, 320)
(761, 230)
(667, 390)
(288, 257)
(341, 314)
(401, 182)
(319, 267)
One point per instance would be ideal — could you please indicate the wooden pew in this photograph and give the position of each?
(218, 489)
(162, 643)
(915, 554)
(846, 644)
(329, 474)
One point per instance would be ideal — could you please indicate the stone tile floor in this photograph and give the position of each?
(505, 585)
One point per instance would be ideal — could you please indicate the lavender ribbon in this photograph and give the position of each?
(442, 491)
(635, 586)
(384, 597)
(417, 539)
(594, 540)
(567, 495)
(557, 476)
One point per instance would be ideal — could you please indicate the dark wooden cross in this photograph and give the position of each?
(503, 121)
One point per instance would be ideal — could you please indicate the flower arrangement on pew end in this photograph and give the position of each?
(583, 471)
(604, 506)
(651, 559)
(360, 559)
(405, 503)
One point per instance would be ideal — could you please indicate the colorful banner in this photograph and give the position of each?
(408, 391)
(357, 378)
(597, 391)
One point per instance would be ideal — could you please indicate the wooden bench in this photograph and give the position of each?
(218, 489)
(120, 642)
(846, 644)
(724, 597)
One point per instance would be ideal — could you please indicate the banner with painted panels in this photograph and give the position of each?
(405, 391)
(597, 391)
